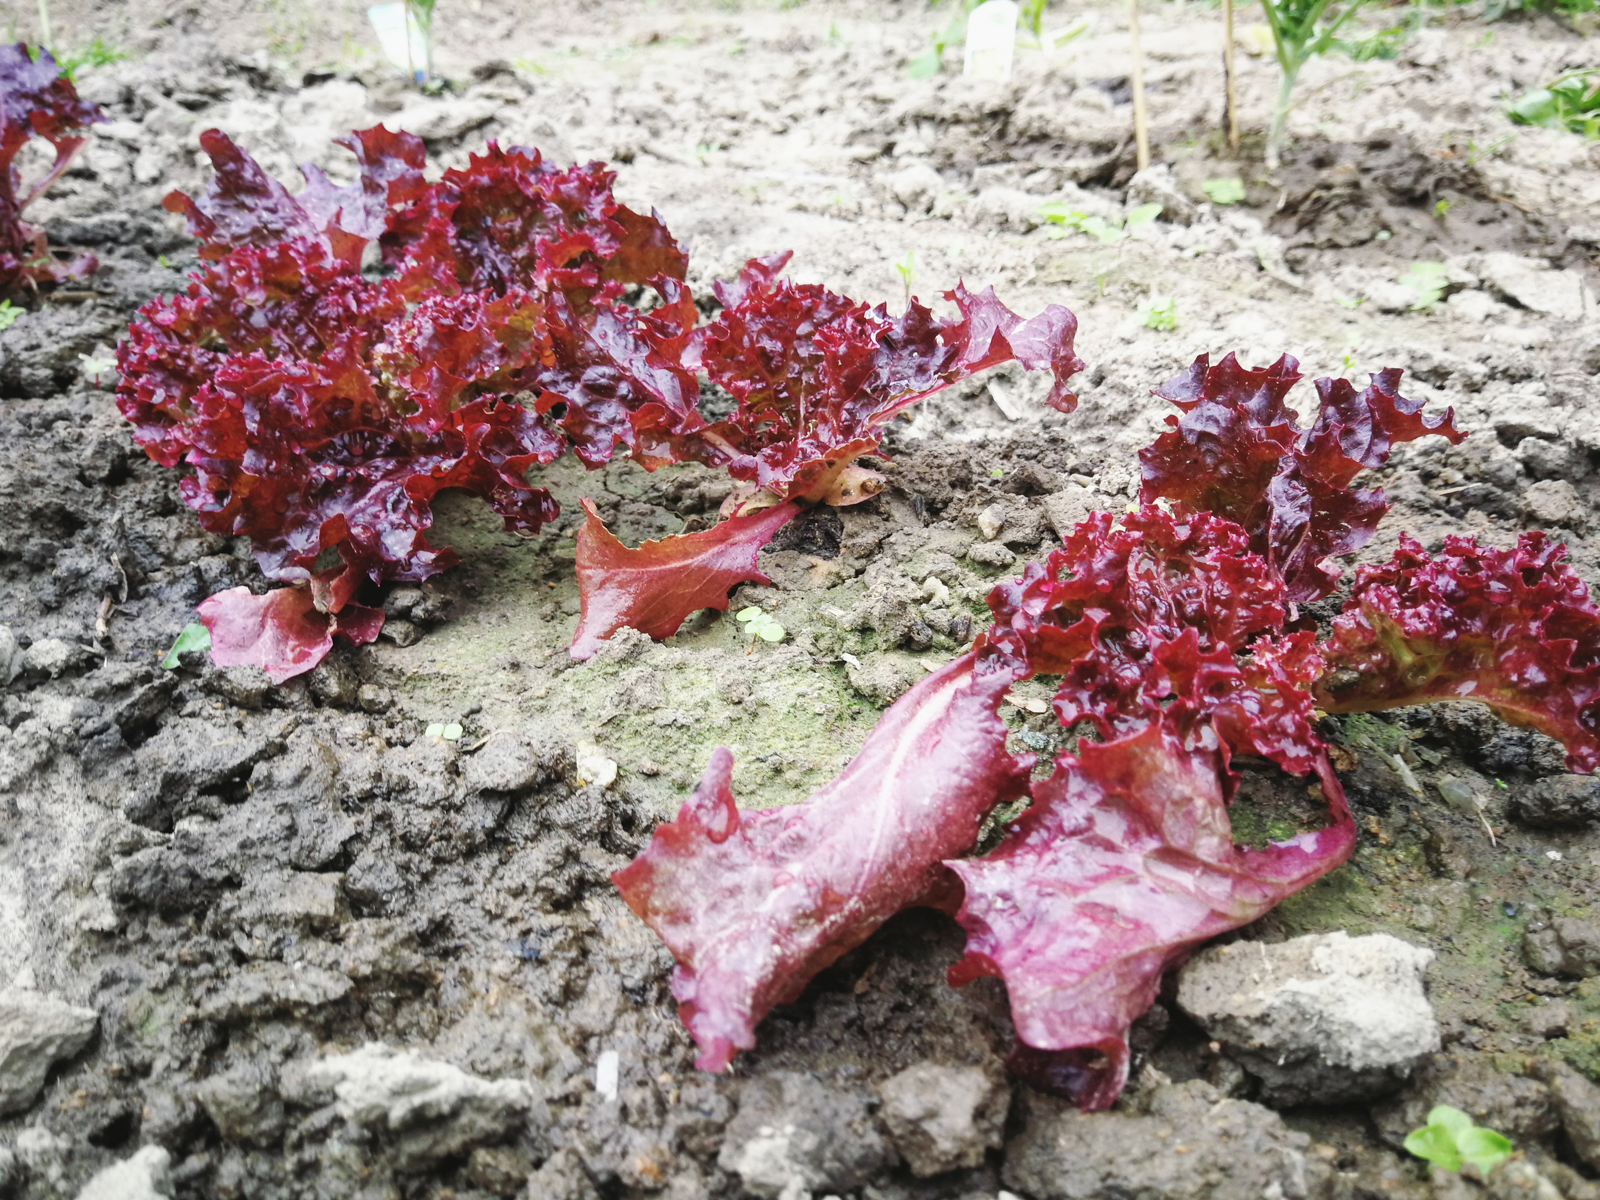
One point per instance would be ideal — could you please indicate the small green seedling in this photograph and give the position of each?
(195, 636)
(95, 54)
(1159, 313)
(760, 625)
(1440, 207)
(450, 732)
(953, 33)
(1301, 30)
(907, 270)
(8, 315)
(997, 472)
(95, 365)
(1450, 1140)
(1224, 191)
(1572, 103)
(1056, 213)
(1427, 280)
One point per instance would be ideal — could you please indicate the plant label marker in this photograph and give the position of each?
(392, 22)
(991, 40)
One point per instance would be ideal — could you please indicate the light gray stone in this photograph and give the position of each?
(944, 1118)
(440, 120)
(36, 1032)
(1325, 1018)
(1533, 285)
(795, 1135)
(1155, 185)
(1555, 502)
(432, 1109)
(916, 186)
(10, 656)
(145, 1176)
(1067, 508)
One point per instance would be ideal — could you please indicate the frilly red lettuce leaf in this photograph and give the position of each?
(1123, 864)
(281, 632)
(1237, 451)
(753, 904)
(1514, 629)
(36, 100)
(817, 376)
(656, 587)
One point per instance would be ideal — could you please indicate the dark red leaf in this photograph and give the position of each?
(1514, 629)
(754, 904)
(1238, 452)
(655, 588)
(817, 376)
(281, 632)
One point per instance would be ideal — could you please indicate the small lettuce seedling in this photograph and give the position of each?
(1450, 1140)
(1159, 313)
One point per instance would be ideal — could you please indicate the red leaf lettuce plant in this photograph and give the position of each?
(322, 405)
(36, 100)
(1169, 631)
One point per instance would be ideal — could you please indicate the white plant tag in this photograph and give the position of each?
(390, 24)
(991, 40)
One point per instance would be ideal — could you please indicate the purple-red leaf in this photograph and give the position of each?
(36, 100)
(817, 376)
(281, 632)
(1123, 864)
(1514, 629)
(754, 904)
(1236, 451)
(655, 588)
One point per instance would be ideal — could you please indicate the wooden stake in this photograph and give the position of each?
(1227, 71)
(1141, 130)
(47, 37)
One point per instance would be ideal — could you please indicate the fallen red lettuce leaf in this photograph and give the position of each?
(753, 904)
(1237, 451)
(1514, 629)
(656, 587)
(1124, 863)
(281, 632)
(36, 100)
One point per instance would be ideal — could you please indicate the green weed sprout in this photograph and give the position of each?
(1427, 280)
(907, 270)
(1159, 313)
(931, 62)
(1224, 191)
(1450, 1140)
(9, 314)
(1056, 213)
(1572, 103)
(195, 636)
(1301, 30)
(450, 732)
(760, 625)
(95, 54)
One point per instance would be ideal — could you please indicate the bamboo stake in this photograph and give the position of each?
(1227, 71)
(47, 39)
(1141, 130)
